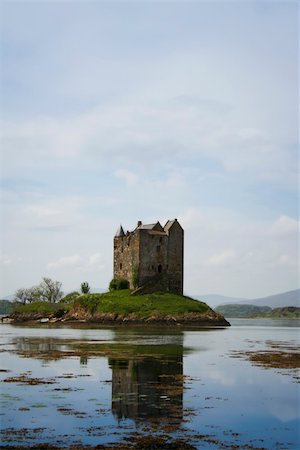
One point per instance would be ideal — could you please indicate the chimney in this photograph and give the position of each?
(139, 223)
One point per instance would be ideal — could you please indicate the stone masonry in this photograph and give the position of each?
(155, 252)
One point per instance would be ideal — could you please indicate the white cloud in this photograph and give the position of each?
(6, 260)
(65, 261)
(225, 257)
(285, 225)
(92, 263)
(148, 134)
(87, 263)
(128, 176)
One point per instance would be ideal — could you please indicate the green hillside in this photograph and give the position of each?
(6, 307)
(253, 311)
(237, 310)
(287, 312)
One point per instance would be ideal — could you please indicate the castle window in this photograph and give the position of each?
(160, 239)
(159, 268)
(158, 248)
(152, 267)
(121, 266)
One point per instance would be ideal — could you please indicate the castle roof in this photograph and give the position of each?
(120, 232)
(151, 227)
(169, 224)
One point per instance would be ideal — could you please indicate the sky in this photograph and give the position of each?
(114, 112)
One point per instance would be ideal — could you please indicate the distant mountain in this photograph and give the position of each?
(253, 311)
(238, 310)
(290, 298)
(214, 300)
(5, 307)
(10, 298)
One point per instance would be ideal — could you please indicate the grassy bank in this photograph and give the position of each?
(121, 302)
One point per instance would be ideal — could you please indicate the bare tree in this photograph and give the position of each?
(50, 290)
(28, 295)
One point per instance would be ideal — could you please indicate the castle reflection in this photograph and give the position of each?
(147, 371)
(148, 387)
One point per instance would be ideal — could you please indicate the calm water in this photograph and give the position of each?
(94, 386)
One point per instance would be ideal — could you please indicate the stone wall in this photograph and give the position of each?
(153, 255)
(175, 258)
(126, 256)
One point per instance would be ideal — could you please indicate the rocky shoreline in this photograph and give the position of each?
(211, 318)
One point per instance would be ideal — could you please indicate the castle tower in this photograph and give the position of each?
(154, 253)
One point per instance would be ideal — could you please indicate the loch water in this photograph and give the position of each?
(93, 385)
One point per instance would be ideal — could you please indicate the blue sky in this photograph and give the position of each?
(123, 111)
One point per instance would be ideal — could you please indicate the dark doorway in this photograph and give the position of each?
(159, 268)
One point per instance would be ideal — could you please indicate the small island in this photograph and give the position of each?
(147, 287)
(120, 307)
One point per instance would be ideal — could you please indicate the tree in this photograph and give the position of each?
(50, 290)
(85, 288)
(47, 291)
(28, 295)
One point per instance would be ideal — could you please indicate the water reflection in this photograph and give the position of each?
(148, 388)
(147, 374)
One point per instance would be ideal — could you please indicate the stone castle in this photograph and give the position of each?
(151, 257)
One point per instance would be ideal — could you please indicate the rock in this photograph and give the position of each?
(7, 320)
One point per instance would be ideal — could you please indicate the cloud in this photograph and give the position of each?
(128, 176)
(285, 225)
(6, 260)
(148, 134)
(65, 261)
(87, 263)
(225, 257)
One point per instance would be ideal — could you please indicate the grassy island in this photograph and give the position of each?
(120, 307)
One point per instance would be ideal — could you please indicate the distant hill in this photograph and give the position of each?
(5, 307)
(214, 300)
(290, 298)
(288, 312)
(237, 310)
(253, 311)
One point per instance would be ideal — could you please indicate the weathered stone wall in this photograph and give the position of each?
(153, 255)
(175, 258)
(126, 256)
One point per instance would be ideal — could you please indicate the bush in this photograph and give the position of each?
(117, 284)
(69, 298)
(85, 288)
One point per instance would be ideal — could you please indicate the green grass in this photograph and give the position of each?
(121, 302)
(41, 308)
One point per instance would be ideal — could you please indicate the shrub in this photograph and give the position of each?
(117, 284)
(69, 298)
(85, 288)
